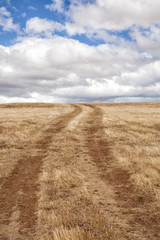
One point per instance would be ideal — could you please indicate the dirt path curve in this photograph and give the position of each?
(21, 187)
(130, 203)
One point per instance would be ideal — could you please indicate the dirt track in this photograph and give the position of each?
(129, 202)
(21, 187)
(92, 152)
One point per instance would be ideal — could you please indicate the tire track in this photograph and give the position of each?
(21, 187)
(128, 201)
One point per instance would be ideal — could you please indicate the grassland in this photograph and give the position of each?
(80, 171)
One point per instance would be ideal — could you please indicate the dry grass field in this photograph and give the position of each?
(80, 171)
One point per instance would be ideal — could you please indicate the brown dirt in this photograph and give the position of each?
(110, 193)
(129, 201)
(21, 187)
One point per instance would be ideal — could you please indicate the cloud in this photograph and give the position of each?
(6, 21)
(32, 8)
(147, 40)
(64, 70)
(36, 26)
(4, 12)
(57, 5)
(24, 15)
(45, 67)
(108, 19)
(112, 15)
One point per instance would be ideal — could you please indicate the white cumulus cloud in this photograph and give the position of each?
(44, 66)
(6, 21)
(66, 70)
(36, 26)
(112, 15)
(56, 5)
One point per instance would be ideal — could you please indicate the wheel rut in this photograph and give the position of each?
(128, 200)
(21, 187)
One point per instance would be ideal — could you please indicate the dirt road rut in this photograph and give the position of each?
(130, 203)
(74, 141)
(21, 187)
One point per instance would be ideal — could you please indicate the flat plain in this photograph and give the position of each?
(80, 171)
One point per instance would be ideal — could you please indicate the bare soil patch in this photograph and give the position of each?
(129, 199)
(21, 187)
(79, 171)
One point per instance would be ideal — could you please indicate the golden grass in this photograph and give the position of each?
(66, 208)
(20, 127)
(134, 131)
(74, 202)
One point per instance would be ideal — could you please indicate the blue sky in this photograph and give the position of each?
(22, 11)
(79, 51)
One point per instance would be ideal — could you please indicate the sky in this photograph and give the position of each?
(79, 51)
